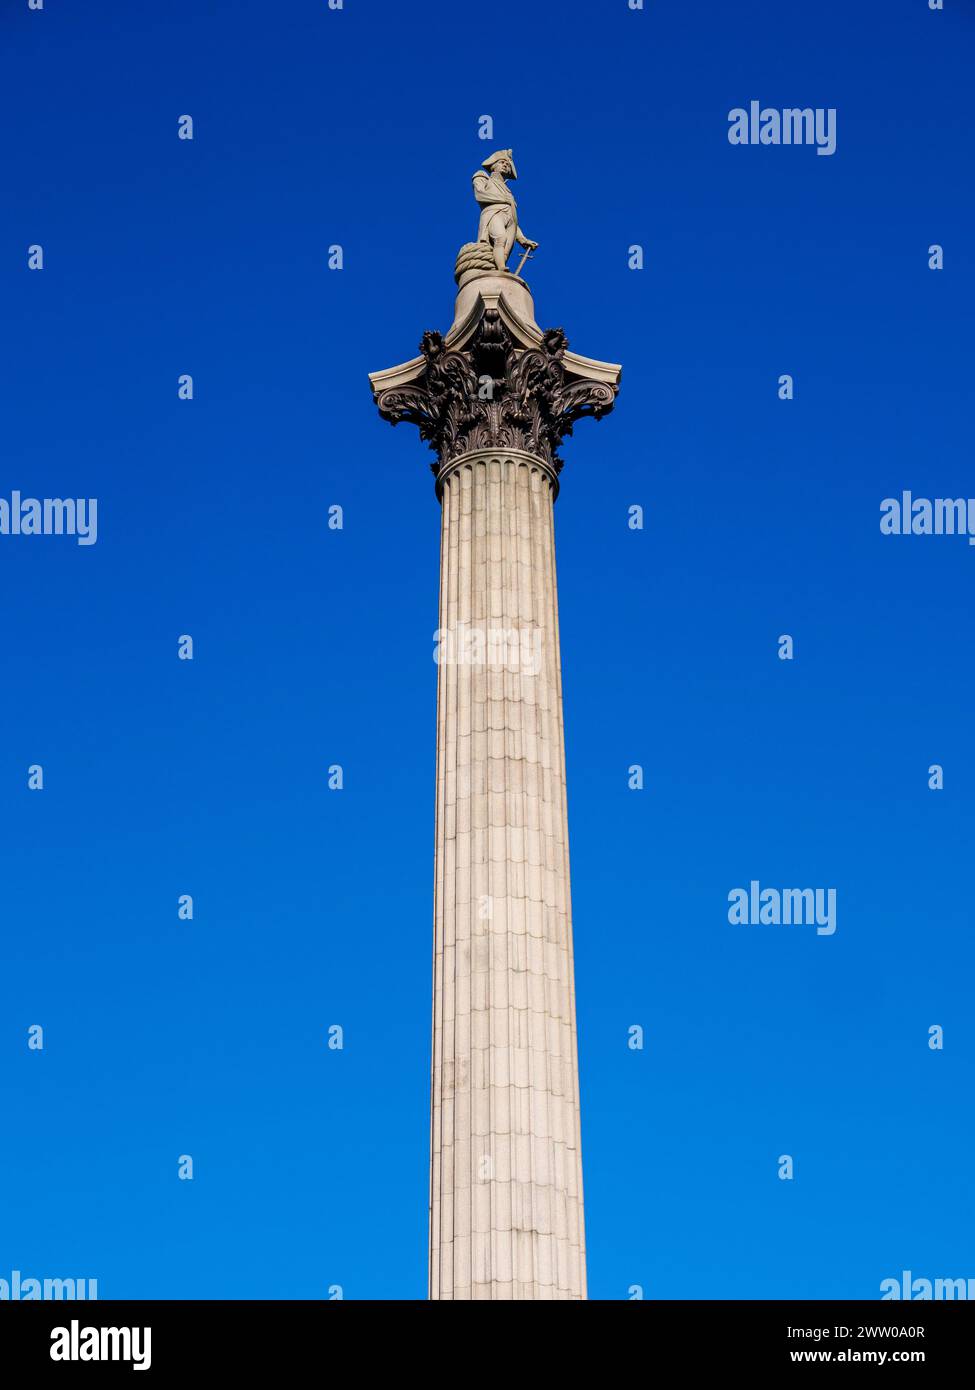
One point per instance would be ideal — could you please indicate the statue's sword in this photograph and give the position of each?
(526, 257)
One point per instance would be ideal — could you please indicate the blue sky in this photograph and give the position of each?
(312, 647)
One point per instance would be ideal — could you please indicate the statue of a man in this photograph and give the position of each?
(498, 227)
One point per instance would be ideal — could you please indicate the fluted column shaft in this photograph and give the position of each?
(506, 1216)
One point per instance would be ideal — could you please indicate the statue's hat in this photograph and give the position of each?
(496, 158)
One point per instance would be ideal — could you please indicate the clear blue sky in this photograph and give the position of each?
(312, 647)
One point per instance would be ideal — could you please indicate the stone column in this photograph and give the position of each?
(494, 399)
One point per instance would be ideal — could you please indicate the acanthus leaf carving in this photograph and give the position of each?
(495, 394)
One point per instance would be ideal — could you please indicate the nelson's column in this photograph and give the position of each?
(494, 399)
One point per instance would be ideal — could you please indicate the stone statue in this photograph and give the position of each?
(498, 228)
(495, 380)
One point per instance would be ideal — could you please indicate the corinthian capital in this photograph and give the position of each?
(496, 382)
